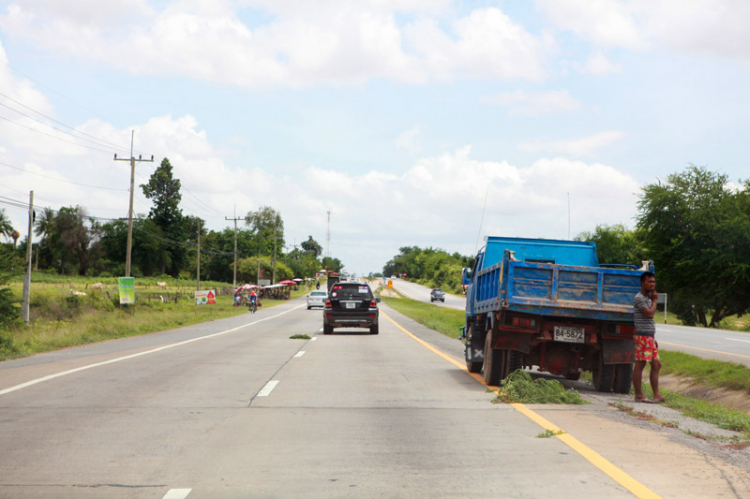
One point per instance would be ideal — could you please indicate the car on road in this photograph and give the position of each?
(350, 304)
(437, 294)
(316, 299)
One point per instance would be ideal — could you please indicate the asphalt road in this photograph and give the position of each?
(729, 346)
(235, 408)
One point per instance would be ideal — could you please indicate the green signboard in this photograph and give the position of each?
(127, 290)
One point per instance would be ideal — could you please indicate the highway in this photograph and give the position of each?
(236, 408)
(729, 346)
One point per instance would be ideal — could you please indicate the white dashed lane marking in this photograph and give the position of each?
(177, 493)
(300, 354)
(266, 391)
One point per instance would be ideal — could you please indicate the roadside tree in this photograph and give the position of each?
(616, 244)
(697, 230)
(164, 190)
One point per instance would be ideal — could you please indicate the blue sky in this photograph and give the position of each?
(398, 117)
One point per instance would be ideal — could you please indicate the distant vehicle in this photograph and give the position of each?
(316, 299)
(350, 304)
(437, 294)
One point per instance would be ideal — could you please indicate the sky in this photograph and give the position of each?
(429, 123)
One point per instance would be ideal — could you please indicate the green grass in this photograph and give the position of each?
(520, 387)
(715, 373)
(445, 320)
(61, 320)
(550, 433)
(721, 416)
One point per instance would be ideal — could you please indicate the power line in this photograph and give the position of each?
(60, 180)
(97, 141)
(52, 136)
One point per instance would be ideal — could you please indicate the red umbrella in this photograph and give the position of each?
(288, 283)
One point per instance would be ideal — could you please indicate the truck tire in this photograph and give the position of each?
(327, 329)
(375, 329)
(603, 376)
(472, 366)
(623, 378)
(493, 366)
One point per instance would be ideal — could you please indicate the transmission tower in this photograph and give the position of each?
(328, 236)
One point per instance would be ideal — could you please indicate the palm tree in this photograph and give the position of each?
(44, 222)
(6, 228)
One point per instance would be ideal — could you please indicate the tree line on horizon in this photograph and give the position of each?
(164, 242)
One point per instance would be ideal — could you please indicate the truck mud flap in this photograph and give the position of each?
(474, 351)
(618, 351)
(512, 340)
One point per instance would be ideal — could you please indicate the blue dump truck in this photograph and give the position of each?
(550, 304)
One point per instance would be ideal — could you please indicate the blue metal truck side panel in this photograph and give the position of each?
(549, 277)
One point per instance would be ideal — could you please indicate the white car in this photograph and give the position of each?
(316, 299)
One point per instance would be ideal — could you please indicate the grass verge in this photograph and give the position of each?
(62, 320)
(444, 320)
(721, 416)
(715, 373)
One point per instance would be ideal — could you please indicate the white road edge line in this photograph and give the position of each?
(732, 339)
(300, 353)
(127, 357)
(177, 493)
(314, 338)
(266, 391)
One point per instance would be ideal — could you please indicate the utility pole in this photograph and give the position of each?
(273, 279)
(26, 305)
(234, 279)
(198, 263)
(130, 211)
(328, 237)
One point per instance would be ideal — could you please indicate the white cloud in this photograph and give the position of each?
(716, 27)
(598, 64)
(521, 103)
(586, 146)
(605, 22)
(409, 141)
(305, 44)
(413, 208)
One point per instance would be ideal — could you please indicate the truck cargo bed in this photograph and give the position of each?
(557, 290)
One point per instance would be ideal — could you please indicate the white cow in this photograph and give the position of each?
(162, 285)
(98, 286)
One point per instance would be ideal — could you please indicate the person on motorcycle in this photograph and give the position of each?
(253, 300)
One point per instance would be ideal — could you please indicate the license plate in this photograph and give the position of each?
(569, 334)
(351, 305)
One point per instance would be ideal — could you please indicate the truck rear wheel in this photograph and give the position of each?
(327, 329)
(603, 375)
(623, 378)
(494, 362)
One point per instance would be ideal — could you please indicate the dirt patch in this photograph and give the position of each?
(733, 399)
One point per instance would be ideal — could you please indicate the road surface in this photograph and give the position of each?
(235, 408)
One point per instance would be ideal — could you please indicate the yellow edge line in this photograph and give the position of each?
(705, 349)
(630, 483)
